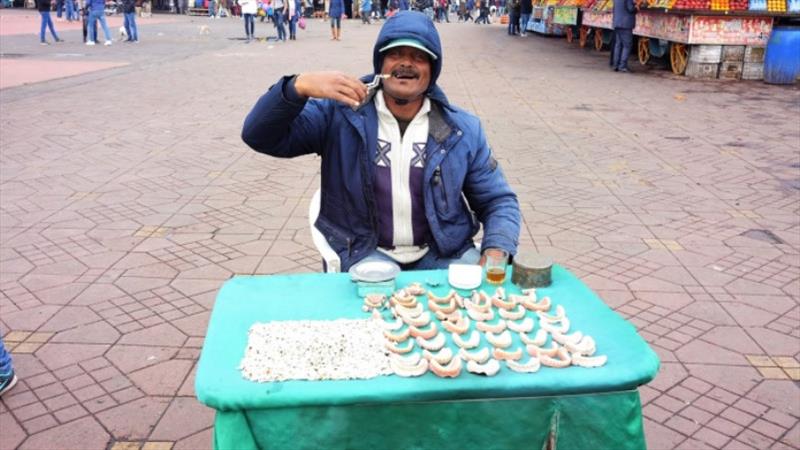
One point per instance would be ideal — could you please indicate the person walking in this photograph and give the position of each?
(483, 13)
(249, 9)
(47, 22)
(97, 12)
(443, 6)
(624, 22)
(129, 10)
(525, 11)
(336, 13)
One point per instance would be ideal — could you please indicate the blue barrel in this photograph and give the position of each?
(782, 60)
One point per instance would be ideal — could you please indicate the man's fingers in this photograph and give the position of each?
(344, 98)
(351, 94)
(351, 87)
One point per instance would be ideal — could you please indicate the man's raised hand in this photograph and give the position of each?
(333, 85)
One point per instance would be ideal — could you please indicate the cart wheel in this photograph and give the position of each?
(583, 36)
(598, 39)
(678, 57)
(644, 50)
(570, 35)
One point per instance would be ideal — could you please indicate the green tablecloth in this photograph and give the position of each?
(575, 405)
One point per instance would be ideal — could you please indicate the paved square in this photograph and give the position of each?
(127, 199)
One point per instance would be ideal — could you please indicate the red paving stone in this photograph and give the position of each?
(20, 72)
(120, 219)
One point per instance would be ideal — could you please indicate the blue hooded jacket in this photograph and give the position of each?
(462, 182)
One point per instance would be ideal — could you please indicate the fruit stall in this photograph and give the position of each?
(543, 18)
(568, 14)
(595, 26)
(698, 38)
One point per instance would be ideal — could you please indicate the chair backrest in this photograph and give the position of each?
(331, 261)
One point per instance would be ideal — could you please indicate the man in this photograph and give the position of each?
(47, 22)
(402, 170)
(512, 6)
(97, 13)
(624, 22)
(525, 11)
(129, 9)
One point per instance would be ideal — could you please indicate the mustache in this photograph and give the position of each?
(405, 72)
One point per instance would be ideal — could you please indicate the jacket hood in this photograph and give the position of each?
(410, 25)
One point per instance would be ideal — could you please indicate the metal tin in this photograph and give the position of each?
(532, 270)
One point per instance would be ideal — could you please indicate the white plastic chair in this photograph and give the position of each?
(331, 260)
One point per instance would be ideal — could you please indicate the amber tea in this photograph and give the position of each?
(495, 275)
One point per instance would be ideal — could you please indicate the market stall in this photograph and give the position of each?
(569, 407)
(698, 38)
(596, 23)
(713, 39)
(567, 13)
(543, 18)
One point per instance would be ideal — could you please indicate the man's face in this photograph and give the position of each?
(411, 72)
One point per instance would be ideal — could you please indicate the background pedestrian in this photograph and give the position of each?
(129, 10)
(624, 22)
(336, 13)
(44, 7)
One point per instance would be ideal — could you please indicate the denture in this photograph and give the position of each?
(490, 368)
(526, 326)
(491, 328)
(451, 370)
(471, 342)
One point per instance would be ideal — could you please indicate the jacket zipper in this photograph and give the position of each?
(437, 180)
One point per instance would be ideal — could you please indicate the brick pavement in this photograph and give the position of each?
(128, 198)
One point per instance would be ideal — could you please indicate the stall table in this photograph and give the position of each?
(567, 408)
(677, 31)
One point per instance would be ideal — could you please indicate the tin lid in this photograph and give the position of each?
(532, 260)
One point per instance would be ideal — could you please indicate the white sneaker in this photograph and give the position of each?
(89, 42)
(107, 43)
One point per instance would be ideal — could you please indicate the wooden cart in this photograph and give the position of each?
(680, 31)
(595, 25)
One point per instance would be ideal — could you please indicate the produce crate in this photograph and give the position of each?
(739, 5)
(753, 71)
(720, 5)
(706, 54)
(733, 53)
(776, 5)
(729, 70)
(692, 4)
(754, 55)
(706, 71)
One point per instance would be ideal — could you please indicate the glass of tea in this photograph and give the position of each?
(496, 264)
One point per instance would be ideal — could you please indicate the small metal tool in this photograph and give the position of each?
(372, 86)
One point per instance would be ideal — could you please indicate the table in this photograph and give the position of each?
(574, 407)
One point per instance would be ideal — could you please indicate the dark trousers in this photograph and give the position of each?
(513, 23)
(249, 25)
(623, 41)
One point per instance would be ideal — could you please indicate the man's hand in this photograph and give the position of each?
(333, 85)
(489, 251)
